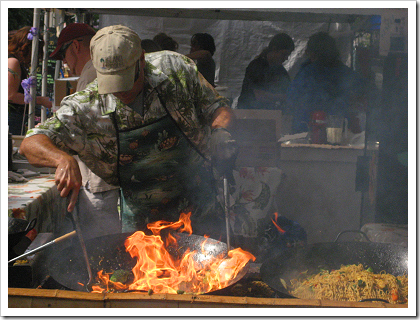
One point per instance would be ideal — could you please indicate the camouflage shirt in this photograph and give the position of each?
(84, 124)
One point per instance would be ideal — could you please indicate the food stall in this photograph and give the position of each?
(316, 186)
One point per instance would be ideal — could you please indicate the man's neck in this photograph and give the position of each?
(82, 59)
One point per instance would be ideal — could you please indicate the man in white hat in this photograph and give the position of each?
(152, 125)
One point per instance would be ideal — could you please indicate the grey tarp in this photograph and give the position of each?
(237, 41)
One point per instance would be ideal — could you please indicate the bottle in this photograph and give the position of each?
(317, 126)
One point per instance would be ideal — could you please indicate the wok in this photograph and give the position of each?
(331, 255)
(68, 267)
(18, 228)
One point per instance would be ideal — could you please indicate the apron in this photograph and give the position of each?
(161, 175)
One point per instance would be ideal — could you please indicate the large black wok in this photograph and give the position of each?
(68, 267)
(379, 256)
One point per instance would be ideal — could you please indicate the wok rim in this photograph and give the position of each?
(51, 261)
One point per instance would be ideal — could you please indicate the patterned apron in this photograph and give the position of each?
(161, 175)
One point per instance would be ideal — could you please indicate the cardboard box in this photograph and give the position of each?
(262, 130)
(258, 154)
(261, 114)
(64, 87)
(257, 143)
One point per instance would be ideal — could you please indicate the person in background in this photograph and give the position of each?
(324, 83)
(11, 33)
(149, 45)
(73, 49)
(97, 208)
(266, 80)
(202, 50)
(19, 60)
(165, 42)
(148, 123)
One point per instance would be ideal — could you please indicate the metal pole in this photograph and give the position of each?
(54, 23)
(34, 65)
(45, 63)
(59, 22)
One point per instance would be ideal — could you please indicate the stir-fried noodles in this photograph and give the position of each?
(352, 283)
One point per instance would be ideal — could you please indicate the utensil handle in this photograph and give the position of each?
(31, 225)
(226, 204)
(65, 236)
(42, 247)
(76, 224)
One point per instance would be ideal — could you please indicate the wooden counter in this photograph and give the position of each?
(47, 298)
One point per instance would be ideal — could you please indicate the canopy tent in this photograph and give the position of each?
(241, 34)
(316, 15)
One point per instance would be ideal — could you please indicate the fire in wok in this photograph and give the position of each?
(163, 262)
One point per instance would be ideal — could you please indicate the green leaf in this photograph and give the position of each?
(120, 276)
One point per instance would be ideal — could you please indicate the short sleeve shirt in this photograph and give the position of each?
(84, 125)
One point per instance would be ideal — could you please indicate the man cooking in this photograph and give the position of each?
(153, 126)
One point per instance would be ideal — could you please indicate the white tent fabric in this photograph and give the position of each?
(237, 41)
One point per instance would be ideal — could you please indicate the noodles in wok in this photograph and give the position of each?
(352, 283)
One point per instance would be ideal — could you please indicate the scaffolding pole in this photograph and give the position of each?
(45, 63)
(34, 65)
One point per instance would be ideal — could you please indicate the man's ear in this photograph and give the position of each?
(77, 46)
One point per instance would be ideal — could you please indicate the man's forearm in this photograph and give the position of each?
(41, 151)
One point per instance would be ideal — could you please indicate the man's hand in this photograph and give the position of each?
(42, 152)
(68, 180)
(224, 151)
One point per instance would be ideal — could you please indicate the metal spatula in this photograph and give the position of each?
(76, 225)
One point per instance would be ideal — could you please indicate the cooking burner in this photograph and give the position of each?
(245, 287)
(250, 285)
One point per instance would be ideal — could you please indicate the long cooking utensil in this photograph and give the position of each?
(46, 245)
(76, 225)
(226, 207)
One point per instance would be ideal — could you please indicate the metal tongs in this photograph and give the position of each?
(76, 225)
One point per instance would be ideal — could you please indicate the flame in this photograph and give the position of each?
(276, 215)
(160, 272)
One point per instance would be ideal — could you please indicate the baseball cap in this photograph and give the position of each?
(115, 51)
(71, 32)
